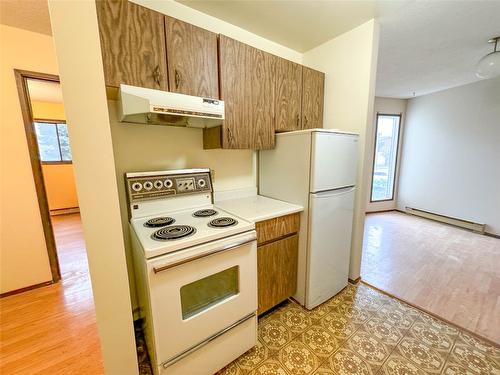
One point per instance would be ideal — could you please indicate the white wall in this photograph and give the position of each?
(451, 153)
(23, 256)
(76, 38)
(350, 64)
(393, 107)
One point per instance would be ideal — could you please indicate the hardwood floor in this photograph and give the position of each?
(450, 272)
(53, 330)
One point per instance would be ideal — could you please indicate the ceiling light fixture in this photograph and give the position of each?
(489, 65)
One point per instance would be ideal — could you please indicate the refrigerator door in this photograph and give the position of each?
(333, 161)
(329, 247)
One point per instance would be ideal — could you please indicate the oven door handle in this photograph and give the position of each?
(212, 252)
(192, 349)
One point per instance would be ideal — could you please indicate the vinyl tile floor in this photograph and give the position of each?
(361, 331)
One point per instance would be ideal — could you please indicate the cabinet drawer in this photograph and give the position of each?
(272, 229)
(277, 271)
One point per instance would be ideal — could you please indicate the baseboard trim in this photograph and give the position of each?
(354, 281)
(25, 289)
(380, 211)
(489, 341)
(65, 211)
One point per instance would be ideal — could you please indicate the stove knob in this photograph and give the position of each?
(148, 185)
(136, 186)
(168, 184)
(201, 183)
(158, 184)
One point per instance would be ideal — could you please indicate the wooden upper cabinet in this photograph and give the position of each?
(288, 96)
(313, 86)
(247, 85)
(191, 59)
(132, 44)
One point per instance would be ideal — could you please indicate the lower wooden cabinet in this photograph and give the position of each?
(277, 271)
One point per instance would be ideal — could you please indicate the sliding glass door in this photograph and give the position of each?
(385, 158)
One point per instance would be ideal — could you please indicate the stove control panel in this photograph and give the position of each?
(148, 186)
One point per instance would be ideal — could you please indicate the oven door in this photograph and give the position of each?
(198, 292)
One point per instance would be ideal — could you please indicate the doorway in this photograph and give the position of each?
(51, 159)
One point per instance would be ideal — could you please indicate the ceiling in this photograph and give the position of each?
(429, 46)
(297, 24)
(44, 91)
(425, 46)
(30, 15)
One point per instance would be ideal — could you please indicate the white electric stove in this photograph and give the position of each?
(196, 272)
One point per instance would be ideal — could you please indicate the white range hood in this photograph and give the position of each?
(156, 107)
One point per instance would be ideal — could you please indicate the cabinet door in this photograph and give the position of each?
(247, 87)
(277, 272)
(313, 83)
(288, 95)
(191, 59)
(132, 44)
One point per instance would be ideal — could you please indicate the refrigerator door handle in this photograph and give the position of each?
(339, 191)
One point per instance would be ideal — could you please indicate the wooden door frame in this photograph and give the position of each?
(36, 164)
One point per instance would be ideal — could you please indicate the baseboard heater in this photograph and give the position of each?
(476, 227)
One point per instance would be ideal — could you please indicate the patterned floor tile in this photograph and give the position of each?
(346, 362)
(372, 351)
(296, 319)
(320, 340)
(473, 360)
(483, 346)
(432, 336)
(395, 316)
(355, 314)
(397, 365)
(362, 332)
(383, 331)
(270, 367)
(438, 324)
(274, 335)
(298, 359)
(428, 359)
(253, 358)
(341, 327)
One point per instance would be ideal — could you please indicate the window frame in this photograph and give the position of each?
(55, 123)
(380, 114)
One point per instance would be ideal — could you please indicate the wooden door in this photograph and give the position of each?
(132, 44)
(276, 272)
(288, 96)
(247, 87)
(191, 59)
(313, 83)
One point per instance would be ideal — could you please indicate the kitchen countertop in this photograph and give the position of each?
(258, 208)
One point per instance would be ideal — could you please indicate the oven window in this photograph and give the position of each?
(201, 294)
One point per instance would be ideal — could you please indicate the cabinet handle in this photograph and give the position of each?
(305, 121)
(177, 79)
(298, 119)
(157, 75)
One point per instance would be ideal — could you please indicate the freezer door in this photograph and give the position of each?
(333, 161)
(329, 247)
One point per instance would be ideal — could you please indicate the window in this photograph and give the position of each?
(53, 142)
(384, 161)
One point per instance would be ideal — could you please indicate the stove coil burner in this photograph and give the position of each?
(205, 213)
(159, 222)
(173, 232)
(222, 222)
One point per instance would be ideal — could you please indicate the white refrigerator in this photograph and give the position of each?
(317, 169)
